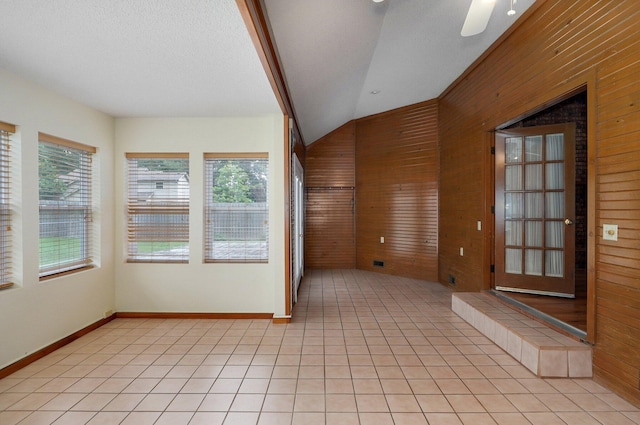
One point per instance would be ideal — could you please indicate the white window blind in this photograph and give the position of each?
(158, 207)
(64, 169)
(6, 130)
(236, 208)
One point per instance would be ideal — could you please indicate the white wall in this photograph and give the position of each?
(199, 287)
(34, 314)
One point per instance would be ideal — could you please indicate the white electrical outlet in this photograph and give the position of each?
(461, 251)
(479, 225)
(381, 239)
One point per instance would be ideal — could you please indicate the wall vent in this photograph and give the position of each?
(451, 279)
(378, 263)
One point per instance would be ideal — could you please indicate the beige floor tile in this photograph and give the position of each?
(339, 386)
(207, 418)
(465, 403)
(185, 403)
(254, 386)
(340, 403)
(309, 403)
(395, 386)
(402, 403)
(274, 418)
(612, 418)
(27, 385)
(371, 403)
(64, 401)
(376, 419)
(154, 403)
(247, 403)
(310, 386)
(367, 386)
(342, 419)
(526, 403)
(452, 386)
(31, 401)
(476, 419)
(241, 418)
(42, 417)
(174, 418)
(278, 403)
(74, 418)
(578, 418)
(216, 402)
(12, 418)
(409, 419)
(306, 418)
(434, 403)
(390, 372)
(107, 418)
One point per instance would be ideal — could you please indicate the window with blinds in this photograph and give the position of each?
(64, 179)
(158, 207)
(6, 130)
(236, 208)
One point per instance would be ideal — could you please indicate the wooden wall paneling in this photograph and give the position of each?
(397, 191)
(330, 160)
(329, 235)
(329, 210)
(556, 42)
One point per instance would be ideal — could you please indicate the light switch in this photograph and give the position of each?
(479, 225)
(461, 251)
(381, 239)
(610, 232)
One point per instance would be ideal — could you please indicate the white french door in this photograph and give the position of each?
(298, 225)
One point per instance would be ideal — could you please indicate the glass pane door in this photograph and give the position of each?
(532, 211)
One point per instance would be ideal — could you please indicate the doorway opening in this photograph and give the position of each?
(539, 225)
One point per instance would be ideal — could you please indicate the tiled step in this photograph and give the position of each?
(539, 348)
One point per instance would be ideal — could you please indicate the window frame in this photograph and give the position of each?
(86, 259)
(173, 207)
(208, 237)
(6, 210)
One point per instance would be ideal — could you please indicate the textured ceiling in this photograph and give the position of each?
(138, 57)
(336, 52)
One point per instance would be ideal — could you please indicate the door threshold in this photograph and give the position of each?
(541, 316)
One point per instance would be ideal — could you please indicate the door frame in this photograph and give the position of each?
(581, 82)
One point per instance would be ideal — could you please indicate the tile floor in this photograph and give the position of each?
(363, 348)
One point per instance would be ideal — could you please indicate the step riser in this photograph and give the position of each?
(545, 352)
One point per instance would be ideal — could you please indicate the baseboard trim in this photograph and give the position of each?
(154, 315)
(37, 355)
(281, 320)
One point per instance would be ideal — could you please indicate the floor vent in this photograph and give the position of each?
(378, 263)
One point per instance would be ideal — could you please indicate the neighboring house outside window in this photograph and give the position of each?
(65, 205)
(236, 208)
(158, 207)
(6, 130)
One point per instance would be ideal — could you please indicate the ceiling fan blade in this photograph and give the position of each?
(477, 17)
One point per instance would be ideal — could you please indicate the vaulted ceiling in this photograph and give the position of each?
(160, 58)
(346, 59)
